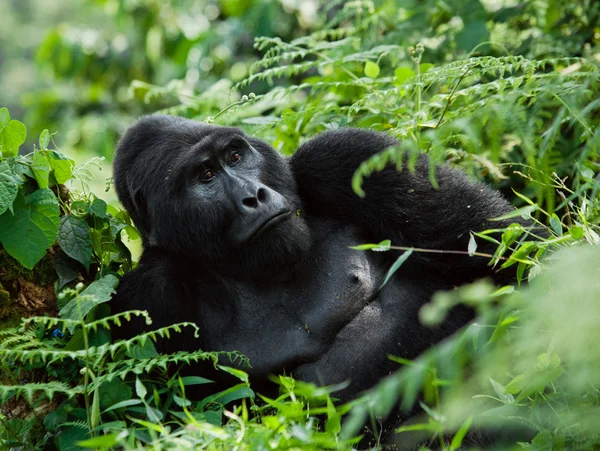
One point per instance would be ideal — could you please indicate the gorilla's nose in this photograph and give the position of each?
(253, 201)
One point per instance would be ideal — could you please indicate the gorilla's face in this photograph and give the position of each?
(222, 198)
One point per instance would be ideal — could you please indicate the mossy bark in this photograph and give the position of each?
(25, 292)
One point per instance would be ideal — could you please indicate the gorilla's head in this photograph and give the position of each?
(222, 198)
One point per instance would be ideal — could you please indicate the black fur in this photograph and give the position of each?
(294, 297)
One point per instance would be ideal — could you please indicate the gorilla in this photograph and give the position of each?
(255, 248)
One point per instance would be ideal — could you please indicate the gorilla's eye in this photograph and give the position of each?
(235, 157)
(207, 176)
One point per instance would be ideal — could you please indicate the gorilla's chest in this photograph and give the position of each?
(284, 324)
(336, 283)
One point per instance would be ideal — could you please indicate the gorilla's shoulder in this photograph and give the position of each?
(357, 140)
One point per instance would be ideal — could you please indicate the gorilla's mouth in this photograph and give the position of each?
(268, 223)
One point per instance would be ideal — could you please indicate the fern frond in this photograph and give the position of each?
(49, 389)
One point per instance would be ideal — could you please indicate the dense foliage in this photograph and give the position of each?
(508, 91)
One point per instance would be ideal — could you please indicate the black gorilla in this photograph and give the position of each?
(254, 247)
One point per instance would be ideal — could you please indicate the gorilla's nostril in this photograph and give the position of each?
(251, 202)
(261, 195)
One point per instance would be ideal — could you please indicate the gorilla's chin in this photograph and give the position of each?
(268, 224)
(279, 247)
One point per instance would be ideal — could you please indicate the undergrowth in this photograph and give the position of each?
(471, 86)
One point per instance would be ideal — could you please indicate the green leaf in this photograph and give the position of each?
(4, 117)
(140, 390)
(402, 74)
(556, 225)
(98, 208)
(524, 212)
(380, 247)
(517, 384)
(472, 247)
(98, 292)
(241, 375)
(63, 267)
(181, 402)
(70, 436)
(126, 403)
(234, 393)
(424, 67)
(460, 435)
(472, 34)
(74, 238)
(145, 351)
(44, 139)
(195, 380)
(538, 382)
(101, 442)
(576, 232)
(114, 392)
(8, 188)
(12, 135)
(554, 12)
(399, 262)
(502, 393)
(41, 169)
(371, 69)
(61, 165)
(32, 229)
(153, 414)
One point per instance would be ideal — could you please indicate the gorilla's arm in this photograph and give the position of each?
(401, 206)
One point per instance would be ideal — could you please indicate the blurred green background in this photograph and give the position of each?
(67, 65)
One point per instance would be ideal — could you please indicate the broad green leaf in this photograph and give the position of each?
(424, 67)
(114, 392)
(8, 188)
(61, 165)
(12, 135)
(371, 69)
(576, 232)
(98, 292)
(41, 169)
(69, 437)
(32, 229)
(472, 34)
(98, 208)
(64, 268)
(402, 74)
(74, 238)
(44, 139)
